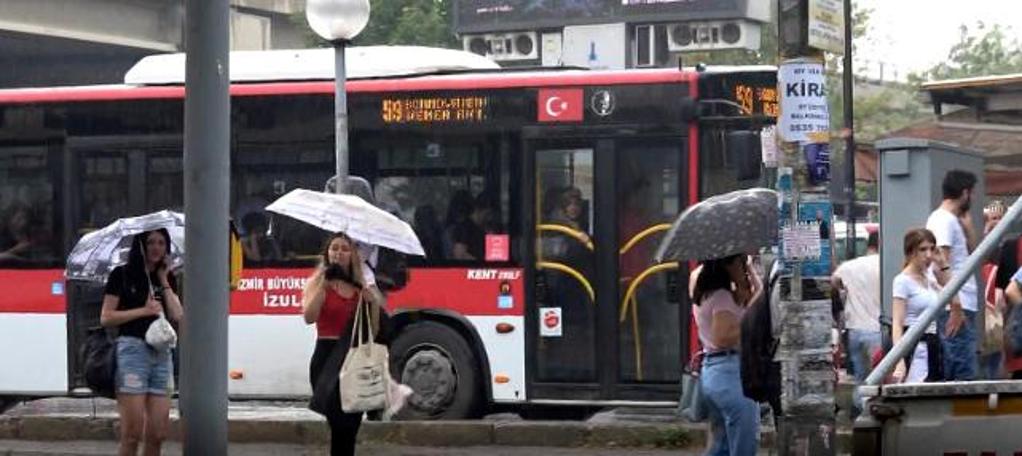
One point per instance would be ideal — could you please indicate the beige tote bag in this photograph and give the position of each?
(365, 373)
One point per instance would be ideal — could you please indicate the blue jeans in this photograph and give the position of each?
(960, 361)
(990, 366)
(141, 369)
(861, 346)
(734, 418)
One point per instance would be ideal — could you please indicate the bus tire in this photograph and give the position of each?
(442, 370)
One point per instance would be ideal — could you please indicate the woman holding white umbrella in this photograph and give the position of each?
(136, 295)
(330, 300)
(332, 293)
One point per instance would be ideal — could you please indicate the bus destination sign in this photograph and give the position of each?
(757, 99)
(434, 109)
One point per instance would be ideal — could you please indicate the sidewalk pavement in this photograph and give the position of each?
(87, 448)
(290, 423)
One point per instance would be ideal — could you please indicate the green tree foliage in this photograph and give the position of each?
(877, 108)
(410, 22)
(981, 51)
(396, 22)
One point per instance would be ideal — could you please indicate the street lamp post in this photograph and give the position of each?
(338, 21)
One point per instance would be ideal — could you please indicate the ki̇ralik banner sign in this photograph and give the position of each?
(803, 89)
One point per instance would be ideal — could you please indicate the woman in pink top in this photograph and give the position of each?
(723, 289)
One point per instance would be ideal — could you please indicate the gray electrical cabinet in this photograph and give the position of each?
(911, 173)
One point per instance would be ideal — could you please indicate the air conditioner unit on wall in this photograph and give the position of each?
(504, 47)
(713, 35)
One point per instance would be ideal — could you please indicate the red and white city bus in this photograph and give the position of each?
(539, 196)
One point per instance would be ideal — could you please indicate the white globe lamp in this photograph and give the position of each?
(338, 21)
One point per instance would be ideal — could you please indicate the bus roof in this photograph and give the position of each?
(464, 81)
(310, 71)
(315, 64)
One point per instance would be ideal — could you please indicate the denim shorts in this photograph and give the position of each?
(141, 369)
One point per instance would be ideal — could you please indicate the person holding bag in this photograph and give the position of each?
(725, 287)
(915, 289)
(137, 295)
(330, 300)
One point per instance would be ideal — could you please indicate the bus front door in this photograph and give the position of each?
(604, 322)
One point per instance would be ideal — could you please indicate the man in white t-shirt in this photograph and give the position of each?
(859, 278)
(956, 237)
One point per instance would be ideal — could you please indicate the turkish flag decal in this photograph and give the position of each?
(560, 105)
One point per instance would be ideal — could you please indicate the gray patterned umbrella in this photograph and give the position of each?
(723, 225)
(99, 252)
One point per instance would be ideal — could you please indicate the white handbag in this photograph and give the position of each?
(365, 374)
(160, 335)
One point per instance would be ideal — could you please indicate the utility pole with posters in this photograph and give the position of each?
(806, 28)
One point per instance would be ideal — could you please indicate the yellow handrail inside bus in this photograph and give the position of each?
(636, 340)
(642, 234)
(571, 272)
(631, 301)
(236, 255)
(578, 235)
(638, 281)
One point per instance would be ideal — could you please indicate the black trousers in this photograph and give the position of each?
(934, 357)
(343, 426)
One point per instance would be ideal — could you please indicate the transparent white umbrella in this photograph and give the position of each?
(352, 215)
(99, 252)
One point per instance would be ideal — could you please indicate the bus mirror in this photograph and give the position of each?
(744, 153)
(235, 255)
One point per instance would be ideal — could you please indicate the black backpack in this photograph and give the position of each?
(100, 362)
(761, 375)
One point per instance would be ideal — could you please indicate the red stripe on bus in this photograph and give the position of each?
(32, 291)
(467, 291)
(693, 197)
(449, 82)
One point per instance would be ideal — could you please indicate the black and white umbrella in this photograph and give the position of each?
(742, 221)
(99, 252)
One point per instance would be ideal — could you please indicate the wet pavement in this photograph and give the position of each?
(89, 426)
(89, 448)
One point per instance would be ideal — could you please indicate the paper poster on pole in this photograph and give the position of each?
(827, 25)
(768, 143)
(803, 89)
(801, 241)
(809, 240)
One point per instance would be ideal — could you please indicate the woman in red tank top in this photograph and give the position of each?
(329, 301)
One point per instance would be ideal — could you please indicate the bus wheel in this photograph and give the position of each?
(437, 363)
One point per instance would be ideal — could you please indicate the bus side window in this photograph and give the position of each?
(454, 195)
(27, 235)
(427, 228)
(257, 243)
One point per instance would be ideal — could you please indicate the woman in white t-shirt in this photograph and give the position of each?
(915, 289)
